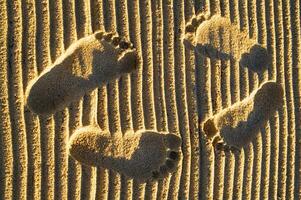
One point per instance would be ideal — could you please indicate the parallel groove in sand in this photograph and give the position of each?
(46, 123)
(271, 188)
(283, 111)
(61, 118)
(290, 135)
(124, 91)
(31, 120)
(203, 83)
(193, 116)
(226, 102)
(147, 50)
(181, 76)
(136, 82)
(75, 109)
(239, 14)
(88, 174)
(219, 159)
(257, 144)
(6, 148)
(296, 52)
(147, 79)
(113, 98)
(102, 179)
(267, 38)
(253, 84)
(160, 111)
(172, 88)
(16, 103)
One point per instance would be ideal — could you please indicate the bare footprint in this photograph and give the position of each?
(203, 33)
(86, 64)
(142, 155)
(238, 125)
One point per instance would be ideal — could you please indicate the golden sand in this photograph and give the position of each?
(174, 89)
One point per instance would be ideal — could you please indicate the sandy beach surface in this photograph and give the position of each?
(173, 89)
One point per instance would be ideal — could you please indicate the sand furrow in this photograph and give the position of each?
(234, 76)
(214, 7)
(204, 109)
(61, 118)
(203, 92)
(69, 22)
(158, 69)
(102, 182)
(6, 148)
(181, 97)
(146, 50)
(296, 63)
(253, 84)
(16, 103)
(168, 77)
(113, 99)
(75, 109)
(290, 135)
(170, 91)
(258, 162)
(219, 162)
(136, 82)
(239, 90)
(124, 91)
(136, 79)
(267, 36)
(46, 123)
(89, 105)
(158, 78)
(31, 120)
(192, 112)
(168, 80)
(270, 172)
(226, 102)
(145, 13)
(283, 111)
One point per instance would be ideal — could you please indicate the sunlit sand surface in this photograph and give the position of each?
(163, 84)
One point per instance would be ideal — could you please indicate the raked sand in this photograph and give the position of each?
(174, 90)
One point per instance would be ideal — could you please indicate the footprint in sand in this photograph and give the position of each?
(142, 155)
(237, 125)
(86, 64)
(204, 32)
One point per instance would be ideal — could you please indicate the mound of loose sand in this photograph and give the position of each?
(175, 89)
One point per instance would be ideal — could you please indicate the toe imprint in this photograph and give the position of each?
(173, 155)
(116, 40)
(155, 174)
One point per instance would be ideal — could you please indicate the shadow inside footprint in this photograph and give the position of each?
(56, 88)
(142, 155)
(212, 52)
(257, 59)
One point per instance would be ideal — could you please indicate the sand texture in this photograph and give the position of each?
(174, 89)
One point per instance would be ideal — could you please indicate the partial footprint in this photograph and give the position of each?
(86, 64)
(142, 155)
(239, 124)
(203, 32)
